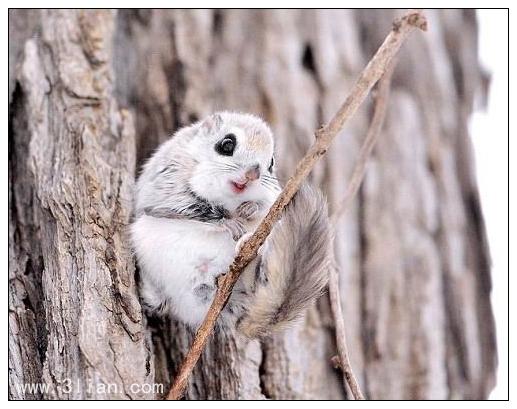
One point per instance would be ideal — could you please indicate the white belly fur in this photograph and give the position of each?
(177, 255)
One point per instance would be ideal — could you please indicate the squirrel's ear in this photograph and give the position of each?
(212, 123)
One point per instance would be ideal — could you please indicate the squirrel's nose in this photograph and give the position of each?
(253, 173)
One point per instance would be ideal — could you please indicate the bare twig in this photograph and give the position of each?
(324, 136)
(381, 99)
(342, 360)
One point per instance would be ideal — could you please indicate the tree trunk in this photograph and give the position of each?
(413, 252)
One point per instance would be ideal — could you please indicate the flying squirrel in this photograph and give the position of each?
(202, 193)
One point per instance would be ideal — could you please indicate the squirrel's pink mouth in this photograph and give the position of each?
(238, 187)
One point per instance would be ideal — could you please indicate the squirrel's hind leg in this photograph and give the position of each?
(153, 301)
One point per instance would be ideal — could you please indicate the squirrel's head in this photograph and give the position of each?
(234, 155)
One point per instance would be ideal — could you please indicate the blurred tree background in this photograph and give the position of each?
(92, 93)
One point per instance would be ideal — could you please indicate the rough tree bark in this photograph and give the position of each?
(412, 249)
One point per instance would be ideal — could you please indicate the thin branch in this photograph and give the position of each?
(324, 136)
(381, 99)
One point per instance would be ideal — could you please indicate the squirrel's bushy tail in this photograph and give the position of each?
(293, 270)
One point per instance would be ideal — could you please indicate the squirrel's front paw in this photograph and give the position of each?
(249, 210)
(235, 227)
(241, 242)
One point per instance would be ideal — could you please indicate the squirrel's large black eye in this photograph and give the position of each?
(226, 146)
(270, 169)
